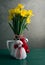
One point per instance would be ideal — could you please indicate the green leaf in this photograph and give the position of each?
(11, 27)
(22, 26)
(26, 27)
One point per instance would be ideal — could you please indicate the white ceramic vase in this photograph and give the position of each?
(15, 52)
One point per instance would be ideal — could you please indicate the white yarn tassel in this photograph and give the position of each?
(27, 39)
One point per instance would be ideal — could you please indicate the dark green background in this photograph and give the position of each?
(35, 57)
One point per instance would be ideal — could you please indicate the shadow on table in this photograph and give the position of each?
(6, 56)
(7, 59)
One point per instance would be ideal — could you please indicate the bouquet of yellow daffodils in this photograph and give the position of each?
(20, 18)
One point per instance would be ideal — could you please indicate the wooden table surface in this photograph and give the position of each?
(35, 57)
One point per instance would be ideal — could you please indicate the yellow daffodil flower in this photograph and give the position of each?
(11, 11)
(30, 12)
(17, 10)
(28, 20)
(23, 13)
(20, 18)
(20, 6)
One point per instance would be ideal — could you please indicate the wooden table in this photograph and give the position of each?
(35, 57)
